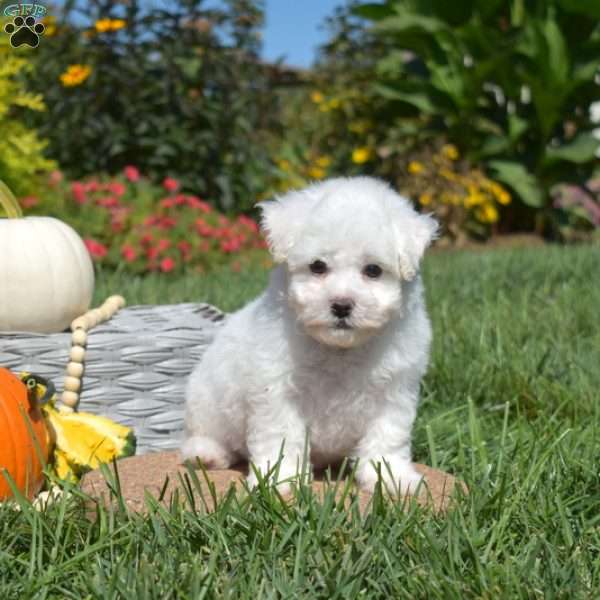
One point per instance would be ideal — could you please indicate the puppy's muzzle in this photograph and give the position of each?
(342, 308)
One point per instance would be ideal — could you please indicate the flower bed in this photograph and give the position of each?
(129, 222)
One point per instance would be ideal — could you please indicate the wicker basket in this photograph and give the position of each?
(136, 365)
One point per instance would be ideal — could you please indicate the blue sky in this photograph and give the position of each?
(293, 29)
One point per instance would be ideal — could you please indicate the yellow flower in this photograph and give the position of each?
(75, 75)
(316, 172)
(503, 197)
(361, 155)
(450, 151)
(317, 97)
(474, 199)
(500, 193)
(487, 214)
(335, 103)
(283, 164)
(103, 25)
(415, 167)
(323, 161)
(425, 199)
(50, 25)
(448, 174)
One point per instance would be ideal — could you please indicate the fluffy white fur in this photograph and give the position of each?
(285, 369)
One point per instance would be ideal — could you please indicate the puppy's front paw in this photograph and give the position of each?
(398, 477)
(211, 453)
(283, 487)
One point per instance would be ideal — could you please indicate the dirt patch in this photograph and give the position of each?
(160, 474)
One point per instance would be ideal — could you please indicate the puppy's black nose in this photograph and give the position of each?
(341, 309)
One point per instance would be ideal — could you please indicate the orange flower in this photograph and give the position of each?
(75, 75)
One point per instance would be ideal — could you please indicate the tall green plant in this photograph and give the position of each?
(509, 82)
(175, 89)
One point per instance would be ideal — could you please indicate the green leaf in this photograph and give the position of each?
(587, 71)
(516, 127)
(581, 150)
(590, 8)
(494, 145)
(520, 179)
(374, 12)
(558, 55)
(420, 100)
(408, 21)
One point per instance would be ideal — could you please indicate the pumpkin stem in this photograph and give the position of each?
(9, 203)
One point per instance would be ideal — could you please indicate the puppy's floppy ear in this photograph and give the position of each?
(415, 232)
(283, 219)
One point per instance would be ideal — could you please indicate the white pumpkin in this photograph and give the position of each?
(46, 273)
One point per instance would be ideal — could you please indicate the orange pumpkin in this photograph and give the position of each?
(24, 442)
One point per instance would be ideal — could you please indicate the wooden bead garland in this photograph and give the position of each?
(80, 328)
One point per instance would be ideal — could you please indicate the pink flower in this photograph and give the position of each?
(128, 253)
(117, 188)
(116, 226)
(167, 223)
(170, 184)
(55, 178)
(107, 202)
(131, 173)
(29, 202)
(204, 229)
(152, 220)
(167, 264)
(223, 220)
(185, 248)
(96, 249)
(78, 190)
(248, 222)
(194, 202)
(163, 244)
(168, 203)
(232, 245)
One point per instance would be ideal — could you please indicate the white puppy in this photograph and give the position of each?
(332, 353)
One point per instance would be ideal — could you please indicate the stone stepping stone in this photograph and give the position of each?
(148, 473)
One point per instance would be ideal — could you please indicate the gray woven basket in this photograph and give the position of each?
(136, 365)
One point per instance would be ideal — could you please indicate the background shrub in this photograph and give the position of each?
(510, 83)
(130, 223)
(20, 147)
(176, 90)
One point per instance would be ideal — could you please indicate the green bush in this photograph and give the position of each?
(510, 83)
(21, 148)
(177, 90)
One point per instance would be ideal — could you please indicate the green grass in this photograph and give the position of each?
(510, 404)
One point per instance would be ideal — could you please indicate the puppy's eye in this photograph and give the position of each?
(373, 271)
(318, 267)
